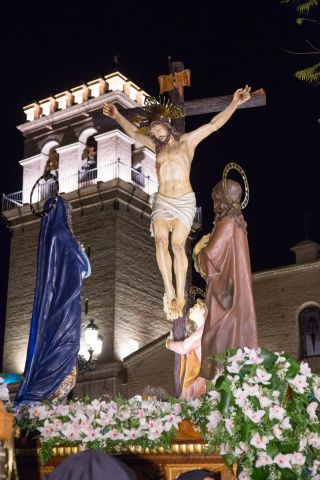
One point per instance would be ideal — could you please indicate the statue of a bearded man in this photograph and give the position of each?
(174, 205)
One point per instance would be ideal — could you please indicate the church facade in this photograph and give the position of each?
(107, 178)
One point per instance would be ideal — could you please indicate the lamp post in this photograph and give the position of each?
(90, 348)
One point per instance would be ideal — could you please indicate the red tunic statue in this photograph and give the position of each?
(223, 260)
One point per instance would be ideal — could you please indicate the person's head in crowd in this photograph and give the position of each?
(92, 465)
(199, 474)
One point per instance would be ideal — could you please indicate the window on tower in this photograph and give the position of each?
(309, 325)
(88, 172)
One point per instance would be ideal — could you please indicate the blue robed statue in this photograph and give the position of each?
(54, 342)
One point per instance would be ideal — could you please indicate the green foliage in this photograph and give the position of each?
(309, 74)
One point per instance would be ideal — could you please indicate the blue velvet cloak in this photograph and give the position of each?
(55, 330)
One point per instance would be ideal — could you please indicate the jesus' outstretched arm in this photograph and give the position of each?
(110, 110)
(240, 96)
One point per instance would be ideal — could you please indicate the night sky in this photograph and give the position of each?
(49, 48)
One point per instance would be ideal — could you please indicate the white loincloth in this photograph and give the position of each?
(181, 208)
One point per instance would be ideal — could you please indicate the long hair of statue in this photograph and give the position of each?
(55, 329)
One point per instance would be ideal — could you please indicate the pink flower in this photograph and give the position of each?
(316, 392)
(240, 397)
(196, 403)
(311, 409)
(277, 432)
(299, 383)
(114, 434)
(314, 440)
(276, 413)
(233, 368)
(91, 435)
(305, 369)
(285, 424)
(262, 376)
(244, 475)
(263, 459)
(133, 433)
(255, 416)
(214, 396)
(229, 426)
(259, 441)
(71, 431)
(214, 420)
(251, 390)
(265, 402)
(283, 461)
(298, 459)
(253, 355)
(302, 444)
(171, 421)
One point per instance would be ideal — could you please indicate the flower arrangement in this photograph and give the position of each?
(262, 414)
(100, 424)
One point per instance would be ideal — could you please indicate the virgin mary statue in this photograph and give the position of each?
(51, 364)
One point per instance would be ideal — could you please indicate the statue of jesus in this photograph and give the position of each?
(174, 205)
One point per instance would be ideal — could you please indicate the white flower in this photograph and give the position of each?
(277, 432)
(263, 459)
(262, 376)
(114, 434)
(283, 461)
(240, 397)
(229, 425)
(314, 468)
(251, 390)
(253, 356)
(223, 449)
(305, 369)
(275, 393)
(38, 412)
(195, 403)
(316, 392)
(244, 475)
(311, 409)
(233, 368)
(4, 392)
(171, 421)
(285, 424)
(133, 433)
(276, 413)
(299, 383)
(298, 459)
(302, 444)
(314, 440)
(214, 396)
(265, 402)
(255, 416)
(259, 441)
(244, 446)
(214, 420)
(238, 357)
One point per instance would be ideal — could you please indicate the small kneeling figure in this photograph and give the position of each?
(192, 385)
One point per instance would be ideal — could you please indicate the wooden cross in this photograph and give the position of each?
(207, 105)
(193, 107)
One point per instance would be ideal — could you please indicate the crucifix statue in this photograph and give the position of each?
(174, 205)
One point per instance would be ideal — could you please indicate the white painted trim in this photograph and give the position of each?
(114, 133)
(76, 110)
(285, 270)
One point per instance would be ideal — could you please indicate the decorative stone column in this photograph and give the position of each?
(68, 167)
(114, 155)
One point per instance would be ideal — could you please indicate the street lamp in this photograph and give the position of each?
(90, 347)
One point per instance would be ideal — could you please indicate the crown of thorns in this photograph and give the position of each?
(158, 110)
